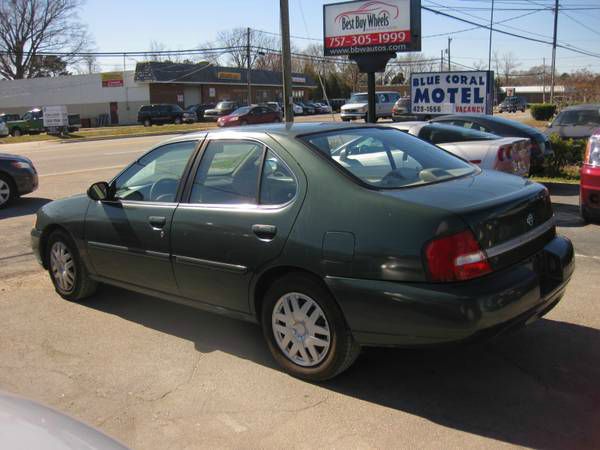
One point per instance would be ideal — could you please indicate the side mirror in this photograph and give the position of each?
(99, 191)
(549, 124)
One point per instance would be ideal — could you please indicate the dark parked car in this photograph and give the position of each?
(249, 115)
(199, 110)
(576, 122)
(163, 113)
(399, 243)
(222, 109)
(540, 144)
(306, 108)
(4, 117)
(512, 104)
(17, 177)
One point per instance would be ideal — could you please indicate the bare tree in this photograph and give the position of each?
(236, 41)
(509, 64)
(31, 27)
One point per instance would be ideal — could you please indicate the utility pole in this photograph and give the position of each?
(449, 66)
(554, 52)
(491, 31)
(441, 60)
(248, 66)
(543, 80)
(286, 58)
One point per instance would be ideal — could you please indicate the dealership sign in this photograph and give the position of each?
(376, 26)
(468, 92)
(112, 79)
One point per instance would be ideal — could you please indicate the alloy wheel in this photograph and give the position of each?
(62, 266)
(4, 192)
(301, 329)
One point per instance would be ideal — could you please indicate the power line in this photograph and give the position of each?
(508, 33)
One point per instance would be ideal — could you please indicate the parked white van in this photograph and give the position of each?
(357, 106)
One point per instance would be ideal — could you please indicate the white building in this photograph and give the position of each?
(118, 97)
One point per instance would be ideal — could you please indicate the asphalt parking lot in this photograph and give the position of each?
(157, 375)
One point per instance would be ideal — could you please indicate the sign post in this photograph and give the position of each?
(371, 33)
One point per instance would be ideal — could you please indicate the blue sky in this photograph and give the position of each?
(119, 25)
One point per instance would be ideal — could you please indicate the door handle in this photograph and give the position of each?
(157, 222)
(265, 232)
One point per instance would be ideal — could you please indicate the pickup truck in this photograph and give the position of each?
(32, 122)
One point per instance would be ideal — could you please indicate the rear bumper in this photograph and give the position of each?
(589, 190)
(352, 115)
(26, 181)
(415, 314)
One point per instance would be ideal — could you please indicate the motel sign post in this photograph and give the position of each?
(371, 33)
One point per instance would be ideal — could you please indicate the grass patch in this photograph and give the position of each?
(88, 133)
(563, 180)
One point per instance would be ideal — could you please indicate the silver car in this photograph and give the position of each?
(28, 425)
(357, 106)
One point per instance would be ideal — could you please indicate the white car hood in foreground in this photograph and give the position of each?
(25, 424)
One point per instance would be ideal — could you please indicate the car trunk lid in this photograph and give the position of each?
(511, 217)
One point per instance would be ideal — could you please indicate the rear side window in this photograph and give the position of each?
(387, 158)
(277, 184)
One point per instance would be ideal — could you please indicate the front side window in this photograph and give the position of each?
(387, 158)
(155, 177)
(228, 173)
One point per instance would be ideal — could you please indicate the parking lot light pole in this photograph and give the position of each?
(286, 63)
(248, 66)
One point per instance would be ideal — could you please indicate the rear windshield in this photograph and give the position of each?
(224, 105)
(579, 117)
(438, 133)
(387, 158)
(241, 111)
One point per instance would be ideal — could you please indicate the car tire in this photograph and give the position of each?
(67, 271)
(16, 132)
(8, 190)
(177, 120)
(585, 215)
(306, 351)
(147, 123)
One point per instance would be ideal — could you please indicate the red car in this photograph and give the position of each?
(589, 191)
(247, 115)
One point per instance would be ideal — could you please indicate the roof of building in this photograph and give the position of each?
(533, 89)
(206, 73)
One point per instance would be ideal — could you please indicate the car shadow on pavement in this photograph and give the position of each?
(23, 206)
(208, 331)
(538, 387)
(562, 189)
(567, 215)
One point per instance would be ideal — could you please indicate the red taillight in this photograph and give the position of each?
(504, 152)
(455, 258)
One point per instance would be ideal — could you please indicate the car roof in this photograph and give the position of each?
(582, 107)
(500, 121)
(280, 129)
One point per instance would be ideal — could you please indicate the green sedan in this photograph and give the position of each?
(330, 236)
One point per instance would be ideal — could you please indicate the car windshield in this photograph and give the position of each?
(241, 111)
(579, 117)
(358, 98)
(438, 133)
(224, 105)
(387, 158)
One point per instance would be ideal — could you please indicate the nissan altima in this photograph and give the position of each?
(328, 246)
